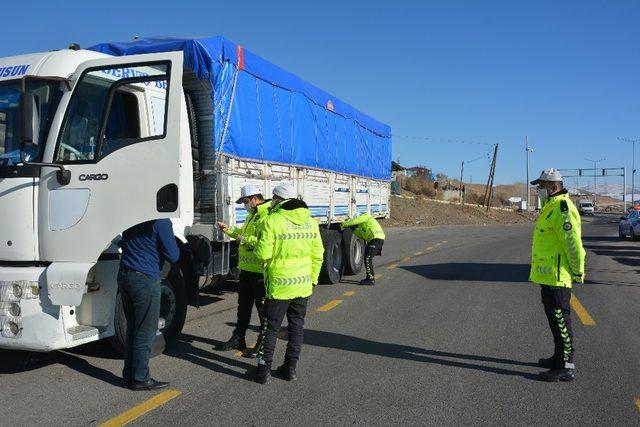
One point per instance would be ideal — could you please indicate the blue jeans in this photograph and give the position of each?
(141, 303)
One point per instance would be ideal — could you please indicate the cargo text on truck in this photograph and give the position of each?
(93, 142)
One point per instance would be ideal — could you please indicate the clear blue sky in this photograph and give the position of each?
(565, 73)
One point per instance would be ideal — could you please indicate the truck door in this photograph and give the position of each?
(120, 139)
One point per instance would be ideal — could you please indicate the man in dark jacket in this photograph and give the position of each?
(145, 247)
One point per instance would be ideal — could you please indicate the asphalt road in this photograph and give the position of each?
(449, 337)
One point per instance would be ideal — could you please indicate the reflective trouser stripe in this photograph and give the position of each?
(564, 333)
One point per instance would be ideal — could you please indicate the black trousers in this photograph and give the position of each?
(250, 293)
(558, 310)
(373, 248)
(275, 310)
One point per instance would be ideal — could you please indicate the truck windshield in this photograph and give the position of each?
(44, 95)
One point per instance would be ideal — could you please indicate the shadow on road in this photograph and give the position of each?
(403, 352)
(475, 272)
(13, 362)
(210, 358)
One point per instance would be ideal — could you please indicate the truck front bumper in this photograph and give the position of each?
(28, 320)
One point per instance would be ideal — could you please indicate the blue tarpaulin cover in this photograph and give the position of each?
(274, 115)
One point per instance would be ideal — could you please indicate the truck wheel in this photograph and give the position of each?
(332, 265)
(173, 311)
(353, 252)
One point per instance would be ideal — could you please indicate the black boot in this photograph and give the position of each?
(559, 374)
(369, 281)
(235, 341)
(260, 374)
(550, 362)
(287, 371)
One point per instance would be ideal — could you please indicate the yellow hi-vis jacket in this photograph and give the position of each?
(557, 255)
(248, 236)
(367, 228)
(290, 246)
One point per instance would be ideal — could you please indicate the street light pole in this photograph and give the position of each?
(528, 150)
(595, 174)
(633, 167)
(461, 184)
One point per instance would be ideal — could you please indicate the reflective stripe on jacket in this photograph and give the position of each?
(247, 260)
(557, 255)
(367, 227)
(291, 247)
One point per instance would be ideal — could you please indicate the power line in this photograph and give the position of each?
(442, 140)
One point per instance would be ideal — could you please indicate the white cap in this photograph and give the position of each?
(247, 191)
(285, 191)
(549, 174)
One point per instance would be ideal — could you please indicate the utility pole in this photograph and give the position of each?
(528, 150)
(595, 174)
(488, 192)
(461, 175)
(633, 167)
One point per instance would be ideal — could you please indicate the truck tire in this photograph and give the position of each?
(332, 265)
(173, 309)
(353, 252)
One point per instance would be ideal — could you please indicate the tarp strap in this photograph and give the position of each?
(259, 119)
(275, 97)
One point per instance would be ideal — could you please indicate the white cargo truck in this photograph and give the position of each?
(93, 142)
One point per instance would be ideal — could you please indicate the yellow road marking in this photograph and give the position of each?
(377, 276)
(444, 241)
(429, 248)
(638, 404)
(406, 259)
(141, 409)
(249, 348)
(330, 305)
(392, 266)
(583, 315)
(349, 294)
(419, 253)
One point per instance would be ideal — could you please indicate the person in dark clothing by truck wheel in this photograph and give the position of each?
(368, 229)
(145, 247)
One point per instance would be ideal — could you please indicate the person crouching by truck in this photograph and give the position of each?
(251, 283)
(368, 229)
(290, 246)
(145, 247)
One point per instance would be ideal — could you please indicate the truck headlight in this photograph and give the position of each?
(14, 309)
(17, 291)
(10, 327)
(13, 290)
(14, 328)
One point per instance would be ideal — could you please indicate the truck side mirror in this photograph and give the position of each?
(31, 117)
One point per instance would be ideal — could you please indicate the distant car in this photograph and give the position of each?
(629, 225)
(586, 207)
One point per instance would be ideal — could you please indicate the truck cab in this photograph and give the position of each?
(90, 145)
